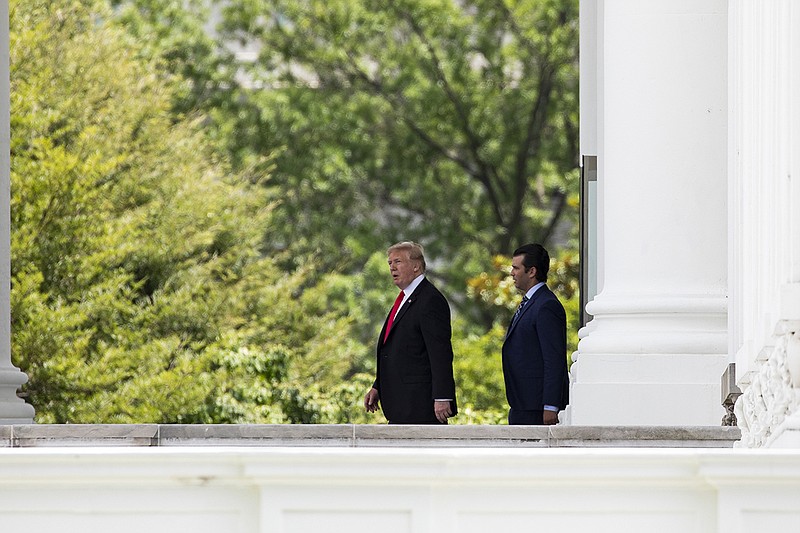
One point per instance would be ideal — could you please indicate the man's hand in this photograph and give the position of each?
(442, 411)
(371, 401)
(550, 418)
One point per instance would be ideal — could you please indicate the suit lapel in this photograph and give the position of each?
(402, 311)
(536, 295)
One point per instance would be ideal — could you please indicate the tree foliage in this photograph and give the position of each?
(453, 122)
(196, 240)
(140, 290)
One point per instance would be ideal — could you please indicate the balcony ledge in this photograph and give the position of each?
(365, 436)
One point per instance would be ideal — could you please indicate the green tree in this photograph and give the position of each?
(186, 248)
(452, 122)
(140, 291)
(175, 34)
(178, 35)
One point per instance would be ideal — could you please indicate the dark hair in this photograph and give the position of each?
(534, 255)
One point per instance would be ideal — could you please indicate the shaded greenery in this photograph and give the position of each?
(450, 121)
(140, 292)
(195, 240)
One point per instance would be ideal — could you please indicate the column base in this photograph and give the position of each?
(647, 389)
(13, 409)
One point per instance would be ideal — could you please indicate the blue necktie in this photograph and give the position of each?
(519, 309)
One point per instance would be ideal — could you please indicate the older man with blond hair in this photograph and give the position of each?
(414, 383)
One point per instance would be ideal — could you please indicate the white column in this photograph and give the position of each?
(657, 347)
(765, 202)
(12, 409)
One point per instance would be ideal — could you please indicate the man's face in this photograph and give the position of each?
(402, 268)
(522, 280)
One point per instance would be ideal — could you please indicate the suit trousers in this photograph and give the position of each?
(429, 422)
(519, 417)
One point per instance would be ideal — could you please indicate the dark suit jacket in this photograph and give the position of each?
(535, 355)
(415, 364)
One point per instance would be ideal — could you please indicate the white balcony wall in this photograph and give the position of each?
(332, 490)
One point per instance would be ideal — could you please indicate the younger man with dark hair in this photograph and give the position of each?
(535, 348)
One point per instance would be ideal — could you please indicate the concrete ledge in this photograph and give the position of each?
(63, 435)
(451, 436)
(644, 436)
(273, 435)
(366, 436)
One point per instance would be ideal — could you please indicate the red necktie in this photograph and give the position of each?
(392, 313)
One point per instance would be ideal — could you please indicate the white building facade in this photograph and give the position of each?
(654, 112)
(764, 218)
(392, 490)
(691, 108)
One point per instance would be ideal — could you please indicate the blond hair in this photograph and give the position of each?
(415, 251)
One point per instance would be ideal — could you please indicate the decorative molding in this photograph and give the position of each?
(770, 398)
(763, 244)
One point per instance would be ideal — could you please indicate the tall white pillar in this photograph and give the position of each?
(764, 199)
(657, 347)
(12, 409)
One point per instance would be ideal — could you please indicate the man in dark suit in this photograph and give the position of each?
(414, 381)
(535, 348)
